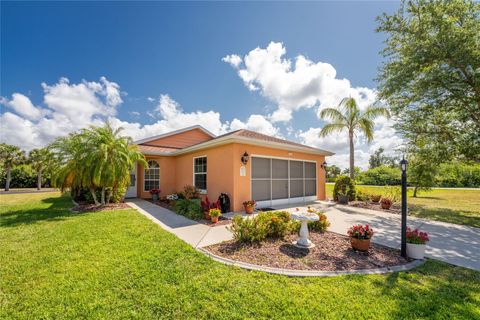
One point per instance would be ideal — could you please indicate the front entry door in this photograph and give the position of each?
(132, 189)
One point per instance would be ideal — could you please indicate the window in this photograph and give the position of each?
(152, 176)
(200, 173)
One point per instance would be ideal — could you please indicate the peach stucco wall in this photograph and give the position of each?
(223, 171)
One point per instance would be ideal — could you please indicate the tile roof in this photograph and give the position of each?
(155, 149)
(263, 137)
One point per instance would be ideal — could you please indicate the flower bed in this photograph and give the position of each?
(332, 252)
(90, 207)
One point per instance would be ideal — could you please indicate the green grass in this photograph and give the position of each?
(447, 205)
(119, 265)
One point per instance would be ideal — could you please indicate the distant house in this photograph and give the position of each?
(244, 164)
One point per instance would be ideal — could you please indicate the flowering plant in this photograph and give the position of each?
(172, 197)
(416, 236)
(207, 205)
(154, 191)
(249, 203)
(215, 212)
(360, 232)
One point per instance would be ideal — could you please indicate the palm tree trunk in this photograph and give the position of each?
(103, 195)
(9, 177)
(109, 195)
(94, 196)
(39, 179)
(352, 156)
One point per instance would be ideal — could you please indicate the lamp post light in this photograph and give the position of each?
(403, 166)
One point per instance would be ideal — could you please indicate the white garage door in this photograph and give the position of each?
(281, 181)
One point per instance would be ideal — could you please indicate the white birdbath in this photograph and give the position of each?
(304, 217)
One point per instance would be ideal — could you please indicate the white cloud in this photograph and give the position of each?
(150, 99)
(296, 84)
(23, 106)
(257, 123)
(70, 107)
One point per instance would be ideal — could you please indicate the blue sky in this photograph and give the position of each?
(149, 49)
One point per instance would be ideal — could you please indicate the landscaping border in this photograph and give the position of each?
(311, 273)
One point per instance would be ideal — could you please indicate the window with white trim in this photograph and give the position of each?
(152, 176)
(200, 173)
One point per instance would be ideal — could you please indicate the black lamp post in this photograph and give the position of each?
(403, 165)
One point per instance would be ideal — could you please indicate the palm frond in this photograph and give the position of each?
(367, 127)
(331, 128)
(332, 114)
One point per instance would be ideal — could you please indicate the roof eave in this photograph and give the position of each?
(163, 135)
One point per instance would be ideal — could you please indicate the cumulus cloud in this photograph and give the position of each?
(294, 84)
(71, 106)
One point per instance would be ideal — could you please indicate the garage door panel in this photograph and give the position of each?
(279, 169)
(310, 187)
(261, 168)
(296, 188)
(279, 189)
(261, 190)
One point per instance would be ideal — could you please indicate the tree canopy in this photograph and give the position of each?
(431, 74)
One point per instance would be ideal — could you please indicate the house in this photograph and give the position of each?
(243, 163)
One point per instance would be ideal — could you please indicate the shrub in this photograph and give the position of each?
(380, 176)
(190, 192)
(247, 230)
(341, 185)
(375, 197)
(393, 193)
(273, 224)
(189, 208)
(321, 225)
(362, 196)
(116, 197)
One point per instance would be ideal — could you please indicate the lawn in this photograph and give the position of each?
(447, 205)
(118, 264)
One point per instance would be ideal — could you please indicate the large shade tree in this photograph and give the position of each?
(40, 160)
(97, 158)
(348, 117)
(431, 74)
(10, 156)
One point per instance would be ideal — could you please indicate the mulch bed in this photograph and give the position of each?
(88, 207)
(395, 208)
(332, 252)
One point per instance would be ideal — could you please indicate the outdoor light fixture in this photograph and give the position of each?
(403, 166)
(324, 165)
(245, 158)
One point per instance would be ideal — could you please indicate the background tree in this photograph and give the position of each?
(348, 117)
(431, 74)
(41, 160)
(10, 156)
(332, 172)
(378, 158)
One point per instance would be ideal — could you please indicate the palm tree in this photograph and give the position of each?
(349, 117)
(97, 158)
(40, 159)
(10, 156)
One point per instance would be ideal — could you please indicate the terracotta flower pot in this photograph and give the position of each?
(385, 205)
(360, 244)
(207, 215)
(214, 219)
(249, 209)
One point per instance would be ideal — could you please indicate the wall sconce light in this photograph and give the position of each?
(245, 158)
(324, 165)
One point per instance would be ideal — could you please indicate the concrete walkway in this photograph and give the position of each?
(455, 244)
(194, 233)
(452, 243)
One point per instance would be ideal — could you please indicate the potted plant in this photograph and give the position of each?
(416, 243)
(360, 237)
(155, 194)
(386, 203)
(249, 206)
(343, 195)
(375, 198)
(214, 214)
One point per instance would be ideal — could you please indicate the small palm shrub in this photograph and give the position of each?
(344, 185)
(189, 208)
